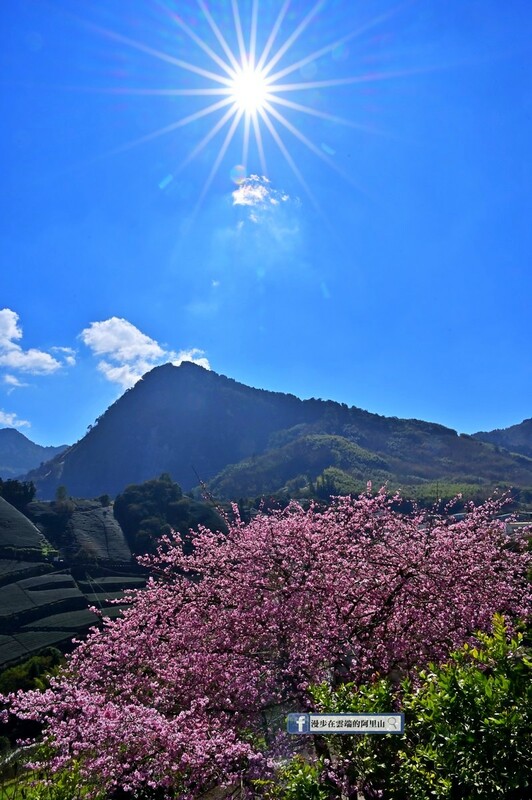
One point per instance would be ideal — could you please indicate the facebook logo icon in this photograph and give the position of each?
(298, 723)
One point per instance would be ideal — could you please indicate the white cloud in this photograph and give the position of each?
(9, 327)
(37, 362)
(14, 357)
(69, 354)
(251, 192)
(126, 353)
(194, 355)
(121, 341)
(12, 380)
(12, 421)
(257, 193)
(126, 375)
(13, 383)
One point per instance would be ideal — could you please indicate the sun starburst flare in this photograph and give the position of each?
(248, 89)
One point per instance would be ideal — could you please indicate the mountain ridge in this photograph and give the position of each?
(516, 438)
(195, 425)
(18, 454)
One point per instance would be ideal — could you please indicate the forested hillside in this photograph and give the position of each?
(517, 438)
(200, 426)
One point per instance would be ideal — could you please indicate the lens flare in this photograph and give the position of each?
(246, 88)
(238, 174)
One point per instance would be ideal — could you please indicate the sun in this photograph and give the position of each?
(249, 89)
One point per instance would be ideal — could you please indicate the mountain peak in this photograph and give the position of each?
(194, 423)
(12, 434)
(18, 454)
(185, 366)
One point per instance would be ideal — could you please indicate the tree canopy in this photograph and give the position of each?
(18, 493)
(145, 511)
(189, 689)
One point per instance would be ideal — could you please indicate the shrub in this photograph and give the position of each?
(468, 730)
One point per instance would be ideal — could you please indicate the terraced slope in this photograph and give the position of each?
(38, 612)
(19, 536)
(42, 601)
(30, 589)
(96, 533)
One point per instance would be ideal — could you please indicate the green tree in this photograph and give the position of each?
(18, 493)
(145, 511)
(468, 731)
(30, 674)
(61, 494)
(471, 723)
(142, 510)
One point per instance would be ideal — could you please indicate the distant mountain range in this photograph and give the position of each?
(197, 425)
(18, 454)
(517, 438)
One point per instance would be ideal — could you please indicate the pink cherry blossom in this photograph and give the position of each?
(188, 690)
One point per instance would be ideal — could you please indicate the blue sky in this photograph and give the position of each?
(381, 256)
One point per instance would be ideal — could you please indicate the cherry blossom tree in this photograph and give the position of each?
(188, 690)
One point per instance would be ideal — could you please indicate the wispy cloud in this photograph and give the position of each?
(69, 354)
(126, 375)
(14, 357)
(195, 355)
(126, 353)
(269, 220)
(12, 421)
(257, 193)
(12, 382)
